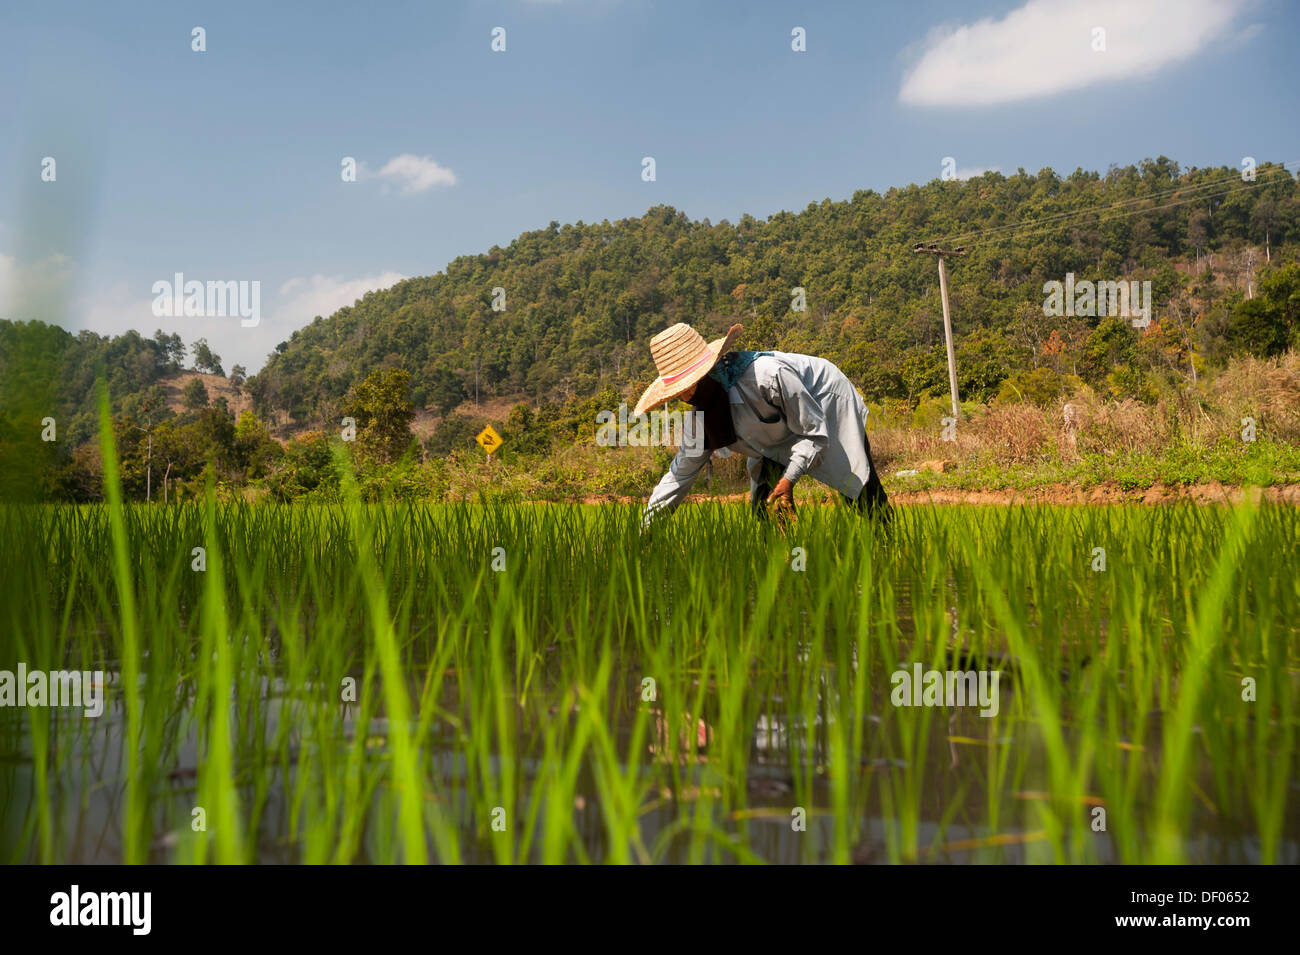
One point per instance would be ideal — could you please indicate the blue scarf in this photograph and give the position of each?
(731, 365)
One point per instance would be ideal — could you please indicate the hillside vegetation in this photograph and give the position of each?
(539, 336)
(581, 300)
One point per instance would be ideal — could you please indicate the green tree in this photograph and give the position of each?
(523, 432)
(194, 395)
(255, 449)
(214, 429)
(1113, 343)
(383, 410)
(170, 351)
(445, 391)
(205, 359)
(305, 468)
(1270, 323)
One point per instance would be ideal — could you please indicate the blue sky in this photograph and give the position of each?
(225, 164)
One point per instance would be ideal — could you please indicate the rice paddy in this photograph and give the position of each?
(510, 683)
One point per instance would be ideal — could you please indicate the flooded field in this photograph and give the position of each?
(511, 683)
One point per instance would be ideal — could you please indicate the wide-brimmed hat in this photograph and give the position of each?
(682, 357)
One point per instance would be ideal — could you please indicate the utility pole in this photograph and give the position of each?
(940, 254)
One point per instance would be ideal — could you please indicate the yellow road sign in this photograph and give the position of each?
(489, 439)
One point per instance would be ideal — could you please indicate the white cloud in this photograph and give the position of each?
(410, 173)
(37, 290)
(114, 310)
(974, 172)
(1046, 47)
(121, 307)
(43, 290)
(295, 303)
(299, 300)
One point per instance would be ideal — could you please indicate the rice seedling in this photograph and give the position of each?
(521, 683)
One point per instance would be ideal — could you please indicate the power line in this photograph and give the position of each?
(1119, 205)
(1122, 215)
(1109, 212)
(1112, 211)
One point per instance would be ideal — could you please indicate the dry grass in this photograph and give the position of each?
(1266, 390)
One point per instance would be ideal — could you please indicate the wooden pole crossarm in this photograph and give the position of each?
(935, 251)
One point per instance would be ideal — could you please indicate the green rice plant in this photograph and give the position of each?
(520, 682)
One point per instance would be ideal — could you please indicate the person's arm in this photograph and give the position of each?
(804, 417)
(676, 484)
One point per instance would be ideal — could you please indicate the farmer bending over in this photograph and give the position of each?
(790, 415)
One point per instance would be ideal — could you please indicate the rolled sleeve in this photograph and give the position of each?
(676, 484)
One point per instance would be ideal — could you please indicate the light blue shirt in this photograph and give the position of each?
(798, 410)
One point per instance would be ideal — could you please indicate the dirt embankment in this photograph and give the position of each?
(1103, 494)
(1050, 494)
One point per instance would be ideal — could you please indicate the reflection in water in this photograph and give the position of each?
(785, 769)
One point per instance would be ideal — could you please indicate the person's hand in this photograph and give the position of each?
(782, 498)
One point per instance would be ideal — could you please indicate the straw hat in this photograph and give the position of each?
(682, 358)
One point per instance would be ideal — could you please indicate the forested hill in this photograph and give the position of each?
(581, 300)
